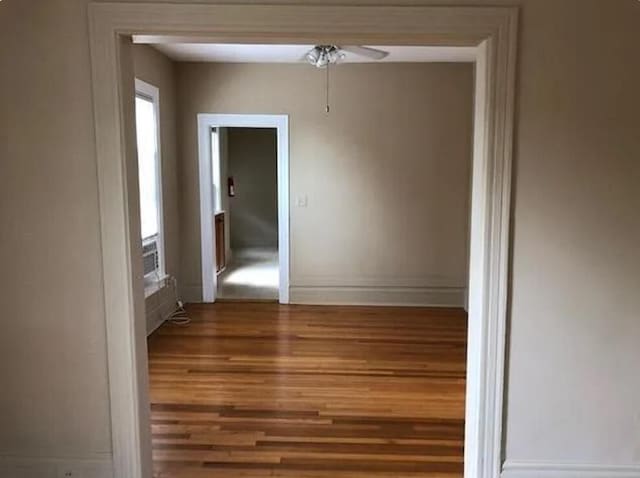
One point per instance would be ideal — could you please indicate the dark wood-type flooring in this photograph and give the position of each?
(264, 390)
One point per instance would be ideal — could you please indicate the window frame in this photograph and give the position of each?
(216, 169)
(151, 93)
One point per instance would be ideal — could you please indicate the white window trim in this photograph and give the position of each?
(215, 171)
(152, 93)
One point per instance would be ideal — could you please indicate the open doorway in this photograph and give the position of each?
(245, 182)
(495, 76)
(379, 217)
(244, 206)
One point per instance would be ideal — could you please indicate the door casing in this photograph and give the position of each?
(492, 30)
(206, 121)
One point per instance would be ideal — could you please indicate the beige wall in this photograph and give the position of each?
(253, 164)
(53, 366)
(575, 309)
(385, 174)
(574, 327)
(154, 68)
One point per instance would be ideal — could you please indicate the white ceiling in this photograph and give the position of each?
(244, 53)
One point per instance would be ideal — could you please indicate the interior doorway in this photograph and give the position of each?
(245, 185)
(244, 206)
(492, 30)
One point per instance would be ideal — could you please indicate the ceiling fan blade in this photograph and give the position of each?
(372, 53)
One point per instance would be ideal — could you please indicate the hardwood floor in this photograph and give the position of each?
(264, 390)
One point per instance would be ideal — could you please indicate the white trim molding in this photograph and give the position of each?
(529, 469)
(492, 30)
(377, 280)
(427, 290)
(207, 121)
(151, 92)
(383, 296)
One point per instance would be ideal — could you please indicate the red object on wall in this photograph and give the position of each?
(230, 187)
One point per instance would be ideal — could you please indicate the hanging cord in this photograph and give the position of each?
(179, 316)
(327, 86)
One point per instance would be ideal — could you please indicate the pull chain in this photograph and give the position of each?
(327, 86)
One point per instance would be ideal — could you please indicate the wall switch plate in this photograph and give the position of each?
(301, 201)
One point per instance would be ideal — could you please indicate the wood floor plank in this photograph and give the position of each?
(264, 390)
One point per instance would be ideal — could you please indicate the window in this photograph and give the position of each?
(215, 169)
(150, 184)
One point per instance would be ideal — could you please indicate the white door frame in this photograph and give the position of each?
(493, 30)
(206, 122)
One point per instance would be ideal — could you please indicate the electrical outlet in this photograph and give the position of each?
(68, 471)
(301, 201)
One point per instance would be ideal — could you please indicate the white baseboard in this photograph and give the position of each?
(520, 469)
(466, 299)
(393, 296)
(369, 295)
(29, 467)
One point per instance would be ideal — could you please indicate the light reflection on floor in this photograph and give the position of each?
(251, 274)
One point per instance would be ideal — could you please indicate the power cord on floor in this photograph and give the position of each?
(179, 316)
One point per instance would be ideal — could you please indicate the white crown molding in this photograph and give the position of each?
(524, 469)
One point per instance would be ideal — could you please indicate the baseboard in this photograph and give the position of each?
(521, 469)
(466, 299)
(31, 467)
(394, 296)
(432, 281)
(351, 295)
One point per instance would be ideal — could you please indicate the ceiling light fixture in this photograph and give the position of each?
(323, 56)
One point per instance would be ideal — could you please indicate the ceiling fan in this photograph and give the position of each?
(322, 56)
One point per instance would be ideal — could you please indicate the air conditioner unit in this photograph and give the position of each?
(150, 258)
